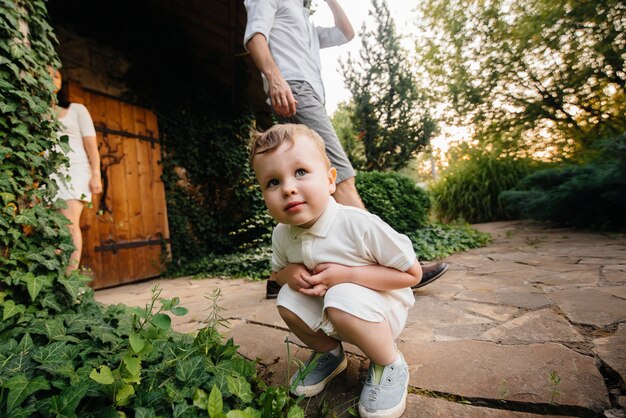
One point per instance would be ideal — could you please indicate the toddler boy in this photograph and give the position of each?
(348, 274)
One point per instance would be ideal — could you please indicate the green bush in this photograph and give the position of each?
(436, 241)
(395, 198)
(470, 188)
(587, 195)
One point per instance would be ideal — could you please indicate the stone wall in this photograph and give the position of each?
(95, 66)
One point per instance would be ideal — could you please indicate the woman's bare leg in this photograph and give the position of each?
(73, 212)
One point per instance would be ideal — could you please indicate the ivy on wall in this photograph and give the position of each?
(35, 245)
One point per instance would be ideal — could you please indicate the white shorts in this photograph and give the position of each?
(362, 302)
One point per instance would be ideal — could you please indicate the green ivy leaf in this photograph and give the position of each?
(124, 394)
(102, 375)
(215, 404)
(34, 284)
(183, 410)
(73, 395)
(20, 388)
(136, 342)
(240, 388)
(192, 371)
(133, 365)
(142, 412)
(200, 399)
(72, 286)
(10, 309)
(162, 321)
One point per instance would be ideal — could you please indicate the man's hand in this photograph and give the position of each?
(325, 276)
(281, 96)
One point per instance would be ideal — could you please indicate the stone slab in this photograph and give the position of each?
(589, 306)
(615, 273)
(585, 277)
(475, 369)
(526, 297)
(425, 407)
(612, 351)
(619, 291)
(534, 327)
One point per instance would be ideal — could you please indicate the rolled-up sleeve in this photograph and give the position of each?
(330, 36)
(261, 15)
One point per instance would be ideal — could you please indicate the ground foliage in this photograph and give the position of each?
(591, 194)
(61, 353)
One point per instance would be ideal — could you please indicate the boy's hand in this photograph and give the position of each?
(325, 276)
(296, 276)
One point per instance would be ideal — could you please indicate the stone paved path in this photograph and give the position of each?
(532, 325)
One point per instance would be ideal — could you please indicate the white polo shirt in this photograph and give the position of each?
(293, 40)
(345, 235)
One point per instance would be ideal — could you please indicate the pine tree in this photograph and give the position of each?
(390, 113)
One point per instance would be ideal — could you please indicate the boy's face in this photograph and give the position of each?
(295, 181)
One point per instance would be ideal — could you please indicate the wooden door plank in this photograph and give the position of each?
(135, 208)
(144, 171)
(118, 188)
(160, 205)
(107, 271)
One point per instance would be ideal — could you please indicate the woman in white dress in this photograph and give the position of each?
(84, 165)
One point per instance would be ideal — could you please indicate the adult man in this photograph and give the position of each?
(285, 46)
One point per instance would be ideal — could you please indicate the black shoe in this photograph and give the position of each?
(431, 276)
(271, 289)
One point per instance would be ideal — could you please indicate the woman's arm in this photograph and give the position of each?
(91, 148)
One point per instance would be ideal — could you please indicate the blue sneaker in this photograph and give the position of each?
(387, 399)
(325, 367)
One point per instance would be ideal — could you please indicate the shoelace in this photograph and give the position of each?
(374, 392)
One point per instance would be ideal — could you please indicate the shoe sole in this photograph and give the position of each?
(308, 391)
(394, 412)
(432, 279)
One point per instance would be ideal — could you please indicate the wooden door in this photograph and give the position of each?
(125, 233)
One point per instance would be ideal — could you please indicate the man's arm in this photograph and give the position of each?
(279, 91)
(374, 276)
(341, 19)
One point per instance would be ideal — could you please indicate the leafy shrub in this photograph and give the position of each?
(436, 241)
(469, 189)
(591, 194)
(395, 198)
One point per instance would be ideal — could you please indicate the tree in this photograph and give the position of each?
(390, 114)
(344, 127)
(540, 74)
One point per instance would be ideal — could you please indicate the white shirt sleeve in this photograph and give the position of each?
(261, 14)
(85, 123)
(387, 246)
(330, 36)
(279, 258)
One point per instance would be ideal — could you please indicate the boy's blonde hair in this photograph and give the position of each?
(275, 136)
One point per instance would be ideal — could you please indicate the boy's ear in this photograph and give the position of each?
(332, 177)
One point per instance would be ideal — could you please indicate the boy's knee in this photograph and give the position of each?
(288, 316)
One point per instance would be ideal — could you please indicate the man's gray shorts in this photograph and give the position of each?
(311, 112)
